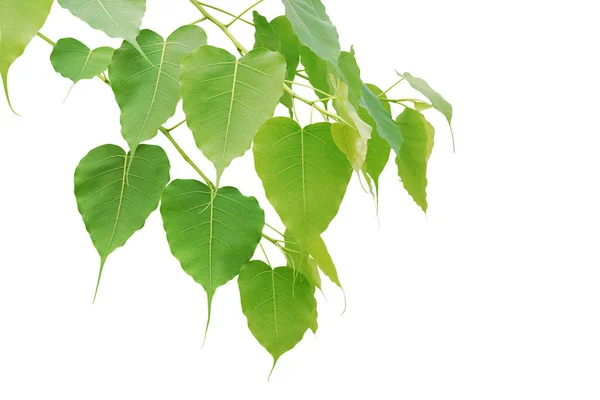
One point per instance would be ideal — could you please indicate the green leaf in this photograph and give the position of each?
(112, 209)
(117, 18)
(350, 142)
(378, 153)
(318, 251)
(304, 174)
(19, 22)
(299, 260)
(314, 28)
(279, 306)
(227, 100)
(279, 36)
(318, 72)
(349, 72)
(75, 61)
(412, 162)
(148, 94)
(386, 127)
(212, 235)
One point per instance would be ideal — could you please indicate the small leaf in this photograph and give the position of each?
(386, 127)
(318, 251)
(349, 72)
(264, 35)
(279, 306)
(299, 260)
(75, 61)
(304, 174)
(437, 101)
(314, 28)
(20, 21)
(349, 141)
(412, 162)
(211, 234)
(117, 18)
(317, 71)
(148, 94)
(227, 100)
(113, 210)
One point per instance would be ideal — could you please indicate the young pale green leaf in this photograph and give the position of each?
(386, 127)
(19, 22)
(351, 143)
(317, 71)
(117, 18)
(314, 318)
(212, 235)
(75, 61)
(349, 72)
(301, 261)
(304, 174)
(227, 100)
(378, 153)
(112, 208)
(318, 251)
(314, 28)
(279, 36)
(279, 306)
(437, 101)
(148, 94)
(412, 162)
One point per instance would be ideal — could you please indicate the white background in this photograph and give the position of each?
(495, 296)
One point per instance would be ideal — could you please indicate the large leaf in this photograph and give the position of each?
(412, 162)
(278, 35)
(19, 22)
(227, 100)
(113, 209)
(75, 61)
(386, 127)
(279, 306)
(314, 28)
(117, 18)
(304, 174)
(148, 94)
(212, 237)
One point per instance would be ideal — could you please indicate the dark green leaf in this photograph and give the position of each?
(317, 71)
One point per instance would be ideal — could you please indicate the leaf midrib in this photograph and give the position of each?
(119, 207)
(235, 71)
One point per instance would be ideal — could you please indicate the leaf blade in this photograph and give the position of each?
(75, 61)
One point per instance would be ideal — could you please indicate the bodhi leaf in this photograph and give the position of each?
(301, 262)
(318, 251)
(412, 162)
(19, 22)
(75, 61)
(148, 94)
(279, 306)
(304, 174)
(227, 100)
(264, 35)
(317, 71)
(349, 141)
(117, 18)
(349, 72)
(212, 237)
(112, 209)
(386, 127)
(314, 28)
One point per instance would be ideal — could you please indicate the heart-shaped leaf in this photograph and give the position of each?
(113, 209)
(20, 21)
(211, 234)
(304, 174)
(148, 94)
(75, 61)
(279, 306)
(227, 100)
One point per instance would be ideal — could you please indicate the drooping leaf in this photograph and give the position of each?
(314, 318)
(113, 209)
(437, 101)
(19, 22)
(318, 251)
(386, 127)
(227, 100)
(300, 260)
(304, 174)
(317, 71)
(412, 162)
(75, 61)
(148, 94)
(314, 28)
(279, 36)
(212, 237)
(279, 306)
(378, 153)
(349, 141)
(349, 72)
(117, 18)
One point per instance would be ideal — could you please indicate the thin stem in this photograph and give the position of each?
(274, 229)
(243, 12)
(307, 86)
(221, 26)
(198, 21)
(391, 87)
(46, 39)
(265, 253)
(303, 76)
(316, 107)
(404, 100)
(224, 12)
(187, 158)
(177, 125)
